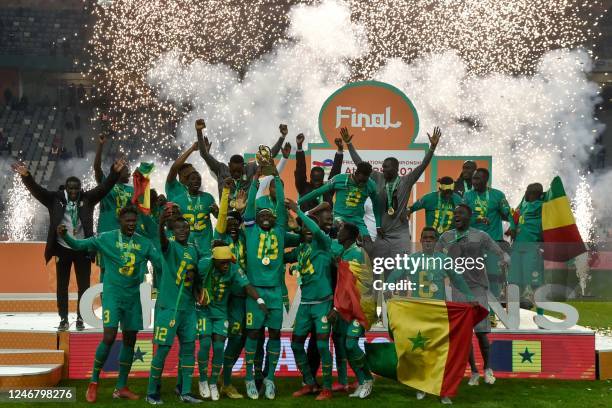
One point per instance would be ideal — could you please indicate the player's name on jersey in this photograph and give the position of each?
(127, 245)
(365, 120)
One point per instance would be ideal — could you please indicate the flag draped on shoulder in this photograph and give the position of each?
(432, 343)
(354, 296)
(562, 240)
(142, 187)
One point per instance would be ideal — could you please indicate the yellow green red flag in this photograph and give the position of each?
(432, 342)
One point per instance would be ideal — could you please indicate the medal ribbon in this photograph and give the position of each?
(466, 188)
(130, 245)
(390, 189)
(483, 204)
(71, 206)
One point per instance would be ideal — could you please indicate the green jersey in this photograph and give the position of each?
(221, 284)
(314, 262)
(265, 249)
(180, 266)
(238, 248)
(196, 210)
(529, 227)
(124, 259)
(438, 212)
(490, 204)
(428, 277)
(119, 196)
(350, 197)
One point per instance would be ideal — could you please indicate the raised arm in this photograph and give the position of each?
(44, 196)
(163, 238)
(281, 212)
(300, 166)
(204, 146)
(224, 206)
(279, 143)
(97, 164)
(96, 194)
(338, 157)
(317, 232)
(329, 186)
(504, 208)
(250, 212)
(264, 183)
(179, 162)
(414, 175)
(154, 257)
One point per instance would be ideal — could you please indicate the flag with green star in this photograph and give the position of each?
(143, 354)
(432, 342)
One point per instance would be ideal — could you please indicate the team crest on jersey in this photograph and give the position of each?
(186, 255)
(324, 319)
(226, 324)
(355, 323)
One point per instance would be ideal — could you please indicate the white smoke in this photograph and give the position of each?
(535, 127)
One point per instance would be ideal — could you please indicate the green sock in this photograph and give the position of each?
(326, 362)
(540, 311)
(157, 367)
(273, 351)
(249, 357)
(203, 357)
(187, 366)
(217, 361)
(179, 379)
(259, 358)
(232, 351)
(355, 358)
(126, 358)
(99, 360)
(302, 362)
(340, 352)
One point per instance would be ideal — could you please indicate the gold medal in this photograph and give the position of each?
(265, 261)
(390, 211)
(233, 203)
(172, 323)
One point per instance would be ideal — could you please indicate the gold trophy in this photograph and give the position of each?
(265, 161)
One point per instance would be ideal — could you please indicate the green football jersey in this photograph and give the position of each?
(124, 259)
(350, 197)
(196, 210)
(119, 196)
(238, 248)
(428, 277)
(180, 266)
(221, 284)
(314, 262)
(265, 249)
(529, 228)
(491, 204)
(438, 212)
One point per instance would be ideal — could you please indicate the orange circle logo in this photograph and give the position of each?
(378, 114)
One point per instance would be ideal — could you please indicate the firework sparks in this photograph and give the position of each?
(20, 212)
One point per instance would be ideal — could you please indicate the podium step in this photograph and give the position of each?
(21, 357)
(30, 375)
(28, 339)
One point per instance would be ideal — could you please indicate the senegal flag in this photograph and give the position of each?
(142, 187)
(354, 297)
(432, 342)
(562, 240)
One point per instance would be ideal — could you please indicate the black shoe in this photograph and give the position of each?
(154, 399)
(64, 325)
(177, 390)
(80, 326)
(189, 399)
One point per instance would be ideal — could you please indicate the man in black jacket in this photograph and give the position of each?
(72, 206)
(317, 174)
